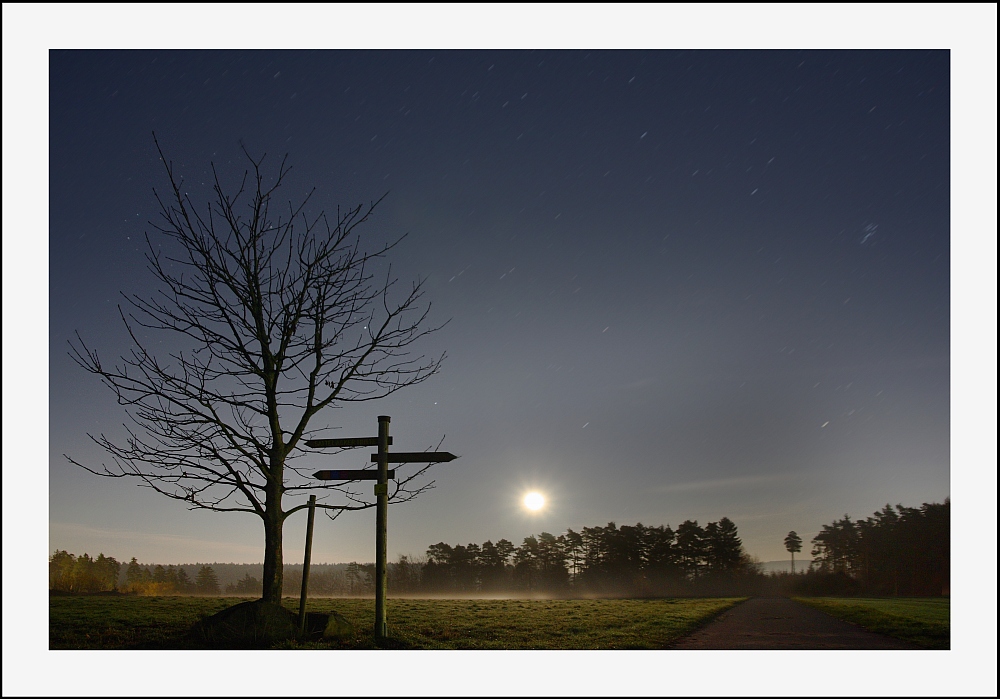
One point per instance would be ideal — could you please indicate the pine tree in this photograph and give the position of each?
(793, 544)
(183, 581)
(207, 582)
(106, 572)
(134, 576)
(690, 547)
(723, 546)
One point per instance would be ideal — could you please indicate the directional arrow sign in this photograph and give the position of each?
(345, 442)
(350, 475)
(417, 457)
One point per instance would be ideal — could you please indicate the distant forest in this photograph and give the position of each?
(896, 551)
(70, 573)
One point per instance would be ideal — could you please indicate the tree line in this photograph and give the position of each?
(83, 574)
(896, 551)
(71, 573)
(625, 560)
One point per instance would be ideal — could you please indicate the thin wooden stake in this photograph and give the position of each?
(305, 565)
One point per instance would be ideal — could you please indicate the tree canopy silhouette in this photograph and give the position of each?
(896, 551)
(280, 317)
(793, 544)
(638, 560)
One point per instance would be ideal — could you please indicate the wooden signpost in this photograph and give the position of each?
(381, 476)
(350, 475)
(344, 442)
(418, 457)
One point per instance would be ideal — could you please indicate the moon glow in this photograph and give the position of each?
(534, 501)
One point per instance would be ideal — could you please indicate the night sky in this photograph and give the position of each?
(681, 284)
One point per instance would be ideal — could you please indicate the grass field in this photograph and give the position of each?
(926, 622)
(119, 622)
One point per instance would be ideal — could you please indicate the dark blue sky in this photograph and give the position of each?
(624, 256)
(681, 284)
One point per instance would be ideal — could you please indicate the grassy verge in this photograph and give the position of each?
(161, 622)
(125, 621)
(926, 622)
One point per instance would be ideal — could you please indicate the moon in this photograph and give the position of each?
(534, 501)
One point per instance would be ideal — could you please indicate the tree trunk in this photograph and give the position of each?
(273, 563)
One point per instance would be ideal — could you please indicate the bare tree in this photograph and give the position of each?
(282, 317)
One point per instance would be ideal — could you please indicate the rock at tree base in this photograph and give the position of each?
(338, 627)
(258, 624)
(255, 624)
(322, 625)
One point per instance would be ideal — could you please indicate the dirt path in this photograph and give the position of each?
(778, 623)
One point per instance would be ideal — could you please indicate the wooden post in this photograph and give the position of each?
(305, 565)
(381, 526)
